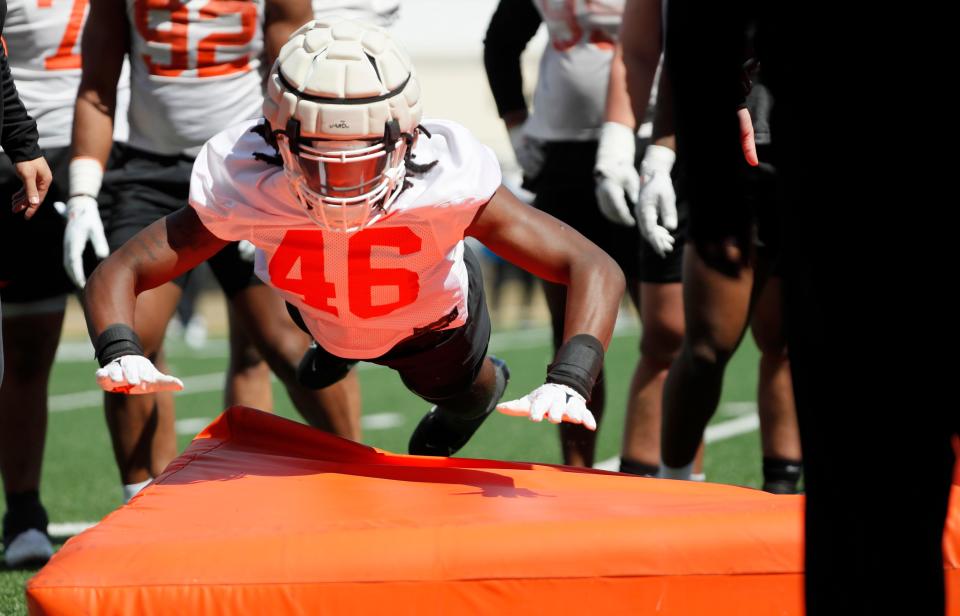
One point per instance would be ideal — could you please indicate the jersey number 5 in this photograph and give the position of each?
(212, 53)
(66, 58)
(306, 247)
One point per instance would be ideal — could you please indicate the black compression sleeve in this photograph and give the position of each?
(116, 341)
(577, 364)
(512, 26)
(18, 133)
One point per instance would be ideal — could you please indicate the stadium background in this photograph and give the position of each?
(445, 39)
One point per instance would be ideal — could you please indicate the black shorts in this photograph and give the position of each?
(31, 251)
(434, 364)
(753, 219)
(142, 187)
(566, 189)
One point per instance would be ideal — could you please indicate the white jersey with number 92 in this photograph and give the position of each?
(194, 70)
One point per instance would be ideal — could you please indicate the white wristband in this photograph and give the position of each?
(86, 175)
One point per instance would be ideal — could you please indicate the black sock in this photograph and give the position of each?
(24, 512)
(780, 476)
(632, 467)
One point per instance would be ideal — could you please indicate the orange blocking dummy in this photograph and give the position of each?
(264, 515)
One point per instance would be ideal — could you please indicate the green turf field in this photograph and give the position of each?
(80, 482)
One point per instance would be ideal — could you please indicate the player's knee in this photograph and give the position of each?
(706, 356)
(25, 365)
(770, 341)
(246, 360)
(728, 255)
(661, 343)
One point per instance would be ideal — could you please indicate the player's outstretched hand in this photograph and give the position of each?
(616, 177)
(135, 374)
(656, 207)
(83, 225)
(554, 402)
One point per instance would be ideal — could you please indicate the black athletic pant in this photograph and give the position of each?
(1, 345)
(868, 322)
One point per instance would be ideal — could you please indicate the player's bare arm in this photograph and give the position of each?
(641, 41)
(282, 18)
(546, 247)
(104, 45)
(158, 254)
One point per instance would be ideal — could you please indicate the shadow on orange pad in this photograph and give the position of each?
(265, 515)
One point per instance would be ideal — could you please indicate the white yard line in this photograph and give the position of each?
(717, 432)
(67, 529)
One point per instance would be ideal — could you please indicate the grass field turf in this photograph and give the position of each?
(80, 481)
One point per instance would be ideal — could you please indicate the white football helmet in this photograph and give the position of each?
(343, 106)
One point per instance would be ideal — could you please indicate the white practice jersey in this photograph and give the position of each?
(194, 70)
(43, 48)
(571, 87)
(382, 13)
(359, 293)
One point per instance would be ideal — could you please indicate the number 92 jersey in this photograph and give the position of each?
(194, 70)
(359, 293)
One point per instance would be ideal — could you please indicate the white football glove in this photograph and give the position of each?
(617, 178)
(529, 151)
(83, 225)
(247, 250)
(135, 374)
(555, 402)
(657, 198)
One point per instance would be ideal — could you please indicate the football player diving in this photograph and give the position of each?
(358, 213)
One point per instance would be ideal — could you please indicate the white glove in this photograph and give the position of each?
(555, 402)
(135, 374)
(617, 178)
(247, 250)
(83, 225)
(657, 198)
(529, 151)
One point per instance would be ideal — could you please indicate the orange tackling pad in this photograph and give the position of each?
(264, 515)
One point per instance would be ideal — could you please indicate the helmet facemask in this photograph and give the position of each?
(342, 107)
(345, 184)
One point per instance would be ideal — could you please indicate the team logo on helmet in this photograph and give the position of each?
(343, 105)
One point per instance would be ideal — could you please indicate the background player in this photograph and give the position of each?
(557, 146)
(368, 245)
(42, 41)
(729, 274)
(192, 73)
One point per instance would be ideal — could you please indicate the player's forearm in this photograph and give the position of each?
(109, 296)
(664, 132)
(618, 106)
(93, 127)
(595, 287)
(104, 46)
(641, 40)
(156, 255)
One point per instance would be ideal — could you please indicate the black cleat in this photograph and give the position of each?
(443, 433)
